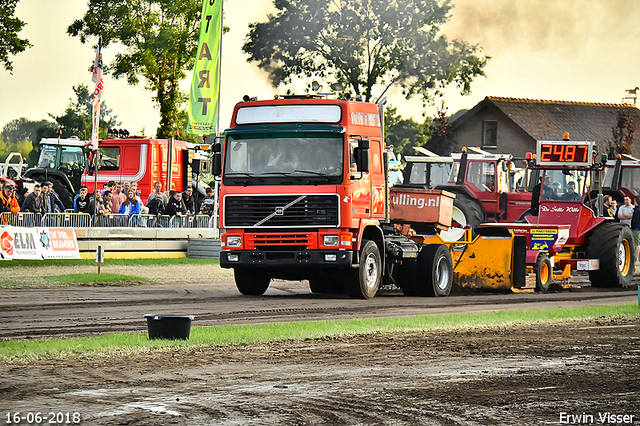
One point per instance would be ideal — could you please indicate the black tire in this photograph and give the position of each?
(319, 285)
(64, 193)
(466, 211)
(612, 243)
(434, 271)
(251, 282)
(364, 282)
(544, 273)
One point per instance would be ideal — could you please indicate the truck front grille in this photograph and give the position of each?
(281, 211)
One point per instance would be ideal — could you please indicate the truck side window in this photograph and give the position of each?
(110, 158)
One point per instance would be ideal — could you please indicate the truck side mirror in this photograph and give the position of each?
(361, 154)
(217, 159)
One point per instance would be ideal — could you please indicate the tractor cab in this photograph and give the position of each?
(66, 155)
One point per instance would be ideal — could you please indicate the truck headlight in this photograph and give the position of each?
(331, 240)
(234, 241)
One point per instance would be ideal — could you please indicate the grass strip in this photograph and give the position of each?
(132, 262)
(204, 336)
(95, 279)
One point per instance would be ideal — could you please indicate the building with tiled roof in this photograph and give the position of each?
(513, 125)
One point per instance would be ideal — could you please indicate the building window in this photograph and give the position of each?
(489, 134)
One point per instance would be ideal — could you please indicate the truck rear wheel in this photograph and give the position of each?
(364, 282)
(251, 282)
(465, 212)
(612, 243)
(544, 273)
(435, 271)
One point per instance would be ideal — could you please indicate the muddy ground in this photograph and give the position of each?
(521, 375)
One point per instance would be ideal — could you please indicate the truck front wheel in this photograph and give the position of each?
(251, 282)
(364, 282)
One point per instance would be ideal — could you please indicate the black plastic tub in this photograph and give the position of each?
(169, 327)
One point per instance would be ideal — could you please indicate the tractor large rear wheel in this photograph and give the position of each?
(466, 211)
(612, 243)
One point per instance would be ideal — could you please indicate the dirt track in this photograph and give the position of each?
(500, 376)
(508, 376)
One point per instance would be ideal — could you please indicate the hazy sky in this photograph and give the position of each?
(572, 50)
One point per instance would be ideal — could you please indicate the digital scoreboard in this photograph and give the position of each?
(564, 153)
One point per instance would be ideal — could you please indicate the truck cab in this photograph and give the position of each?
(303, 185)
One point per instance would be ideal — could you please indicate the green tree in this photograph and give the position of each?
(160, 39)
(403, 134)
(364, 44)
(440, 139)
(10, 26)
(77, 117)
(23, 135)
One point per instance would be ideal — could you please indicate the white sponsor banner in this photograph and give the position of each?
(38, 243)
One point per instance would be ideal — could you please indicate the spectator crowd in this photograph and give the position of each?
(114, 198)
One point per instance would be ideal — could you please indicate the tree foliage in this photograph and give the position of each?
(10, 26)
(23, 135)
(363, 45)
(441, 140)
(77, 117)
(623, 134)
(160, 39)
(402, 134)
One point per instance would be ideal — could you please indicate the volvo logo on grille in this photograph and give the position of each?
(279, 211)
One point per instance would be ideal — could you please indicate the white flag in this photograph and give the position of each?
(96, 77)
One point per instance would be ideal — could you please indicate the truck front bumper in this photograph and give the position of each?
(287, 258)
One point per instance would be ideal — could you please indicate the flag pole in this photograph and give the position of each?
(96, 77)
(216, 184)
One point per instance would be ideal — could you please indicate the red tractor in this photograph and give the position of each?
(487, 186)
(595, 244)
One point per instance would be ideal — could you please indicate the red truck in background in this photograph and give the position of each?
(68, 164)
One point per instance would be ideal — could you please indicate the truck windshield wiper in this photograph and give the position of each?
(311, 172)
(240, 174)
(277, 173)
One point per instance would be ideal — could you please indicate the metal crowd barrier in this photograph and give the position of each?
(84, 220)
(66, 220)
(23, 219)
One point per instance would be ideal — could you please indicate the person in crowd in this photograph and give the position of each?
(109, 186)
(547, 191)
(189, 201)
(82, 203)
(571, 194)
(8, 201)
(175, 206)
(625, 211)
(208, 205)
(130, 205)
(156, 206)
(50, 201)
(134, 186)
(126, 186)
(635, 227)
(608, 211)
(104, 204)
(33, 202)
(117, 197)
(158, 190)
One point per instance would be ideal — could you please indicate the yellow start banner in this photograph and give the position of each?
(205, 91)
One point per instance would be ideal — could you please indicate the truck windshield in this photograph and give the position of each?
(261, 158)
